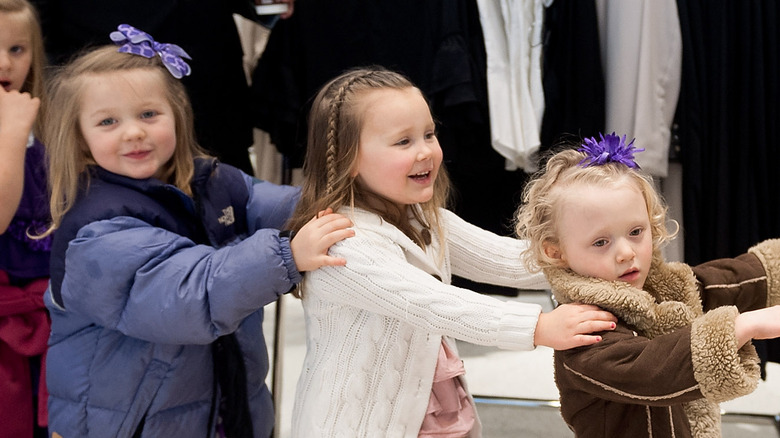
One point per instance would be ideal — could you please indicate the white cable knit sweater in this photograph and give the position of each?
(374, 327)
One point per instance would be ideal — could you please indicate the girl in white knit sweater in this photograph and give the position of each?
(381, 358)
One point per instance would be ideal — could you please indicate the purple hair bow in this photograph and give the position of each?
(141, 43)
(611, 149)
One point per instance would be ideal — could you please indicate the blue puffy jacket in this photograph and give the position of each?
(144, 280)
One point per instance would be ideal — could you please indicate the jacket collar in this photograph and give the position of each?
(670, 299)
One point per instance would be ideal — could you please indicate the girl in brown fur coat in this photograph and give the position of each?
(596, 225)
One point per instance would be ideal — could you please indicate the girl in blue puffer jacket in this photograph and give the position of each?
(163, 257)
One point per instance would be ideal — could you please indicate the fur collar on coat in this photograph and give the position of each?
(670, 300)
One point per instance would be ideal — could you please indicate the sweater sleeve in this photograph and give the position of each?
(155, 285)
(485, 257)
(377, 278)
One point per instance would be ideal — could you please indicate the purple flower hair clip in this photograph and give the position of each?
(141, 43)
(611, 149)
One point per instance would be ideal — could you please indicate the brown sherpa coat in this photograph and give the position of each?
(665, 367)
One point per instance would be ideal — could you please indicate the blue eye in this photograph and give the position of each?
(148, 114)
(600, 243)
(107, 122)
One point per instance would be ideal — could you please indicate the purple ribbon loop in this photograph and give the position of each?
(137, 42)
(610, 149)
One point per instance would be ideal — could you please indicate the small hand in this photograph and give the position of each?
(311, 243)
(18, 110)
(17, 115)
(757, 324)
(570, 325)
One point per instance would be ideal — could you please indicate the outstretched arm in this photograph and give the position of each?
(17, 115)
(380, 279)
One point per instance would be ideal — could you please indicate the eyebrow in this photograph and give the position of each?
(99, 114)
(21, 40)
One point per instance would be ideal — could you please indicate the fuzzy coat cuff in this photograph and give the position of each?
(768, 252)
(723, 371)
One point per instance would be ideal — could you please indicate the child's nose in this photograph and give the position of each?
(5, 60)
(133, 132)
(424, 152)
(625, 252)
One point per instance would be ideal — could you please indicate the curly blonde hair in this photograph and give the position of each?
(536, 217)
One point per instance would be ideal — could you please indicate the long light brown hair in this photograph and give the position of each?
(335, 123)
(536, 217)
(34, 83)
(68, 152)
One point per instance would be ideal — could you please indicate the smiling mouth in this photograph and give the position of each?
(421, 175)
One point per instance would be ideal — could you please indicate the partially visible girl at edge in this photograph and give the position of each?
(381, 357)
(163, 258)
(24, 213)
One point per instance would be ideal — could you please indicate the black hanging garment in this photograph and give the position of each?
(572, 76)
(727, 121)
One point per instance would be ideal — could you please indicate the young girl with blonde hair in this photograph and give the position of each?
(163, 257)
(595, 226)
(24, 212)
(381, 357)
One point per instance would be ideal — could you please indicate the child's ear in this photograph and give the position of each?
(553, 251)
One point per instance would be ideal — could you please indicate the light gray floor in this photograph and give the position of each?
(510, 387)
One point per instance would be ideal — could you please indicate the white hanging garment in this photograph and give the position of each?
(512, 32)
(641, 47)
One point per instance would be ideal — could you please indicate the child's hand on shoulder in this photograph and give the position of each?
(572, 325)
(18, 110)
(310, 245)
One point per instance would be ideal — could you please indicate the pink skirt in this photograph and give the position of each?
(450, 413)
